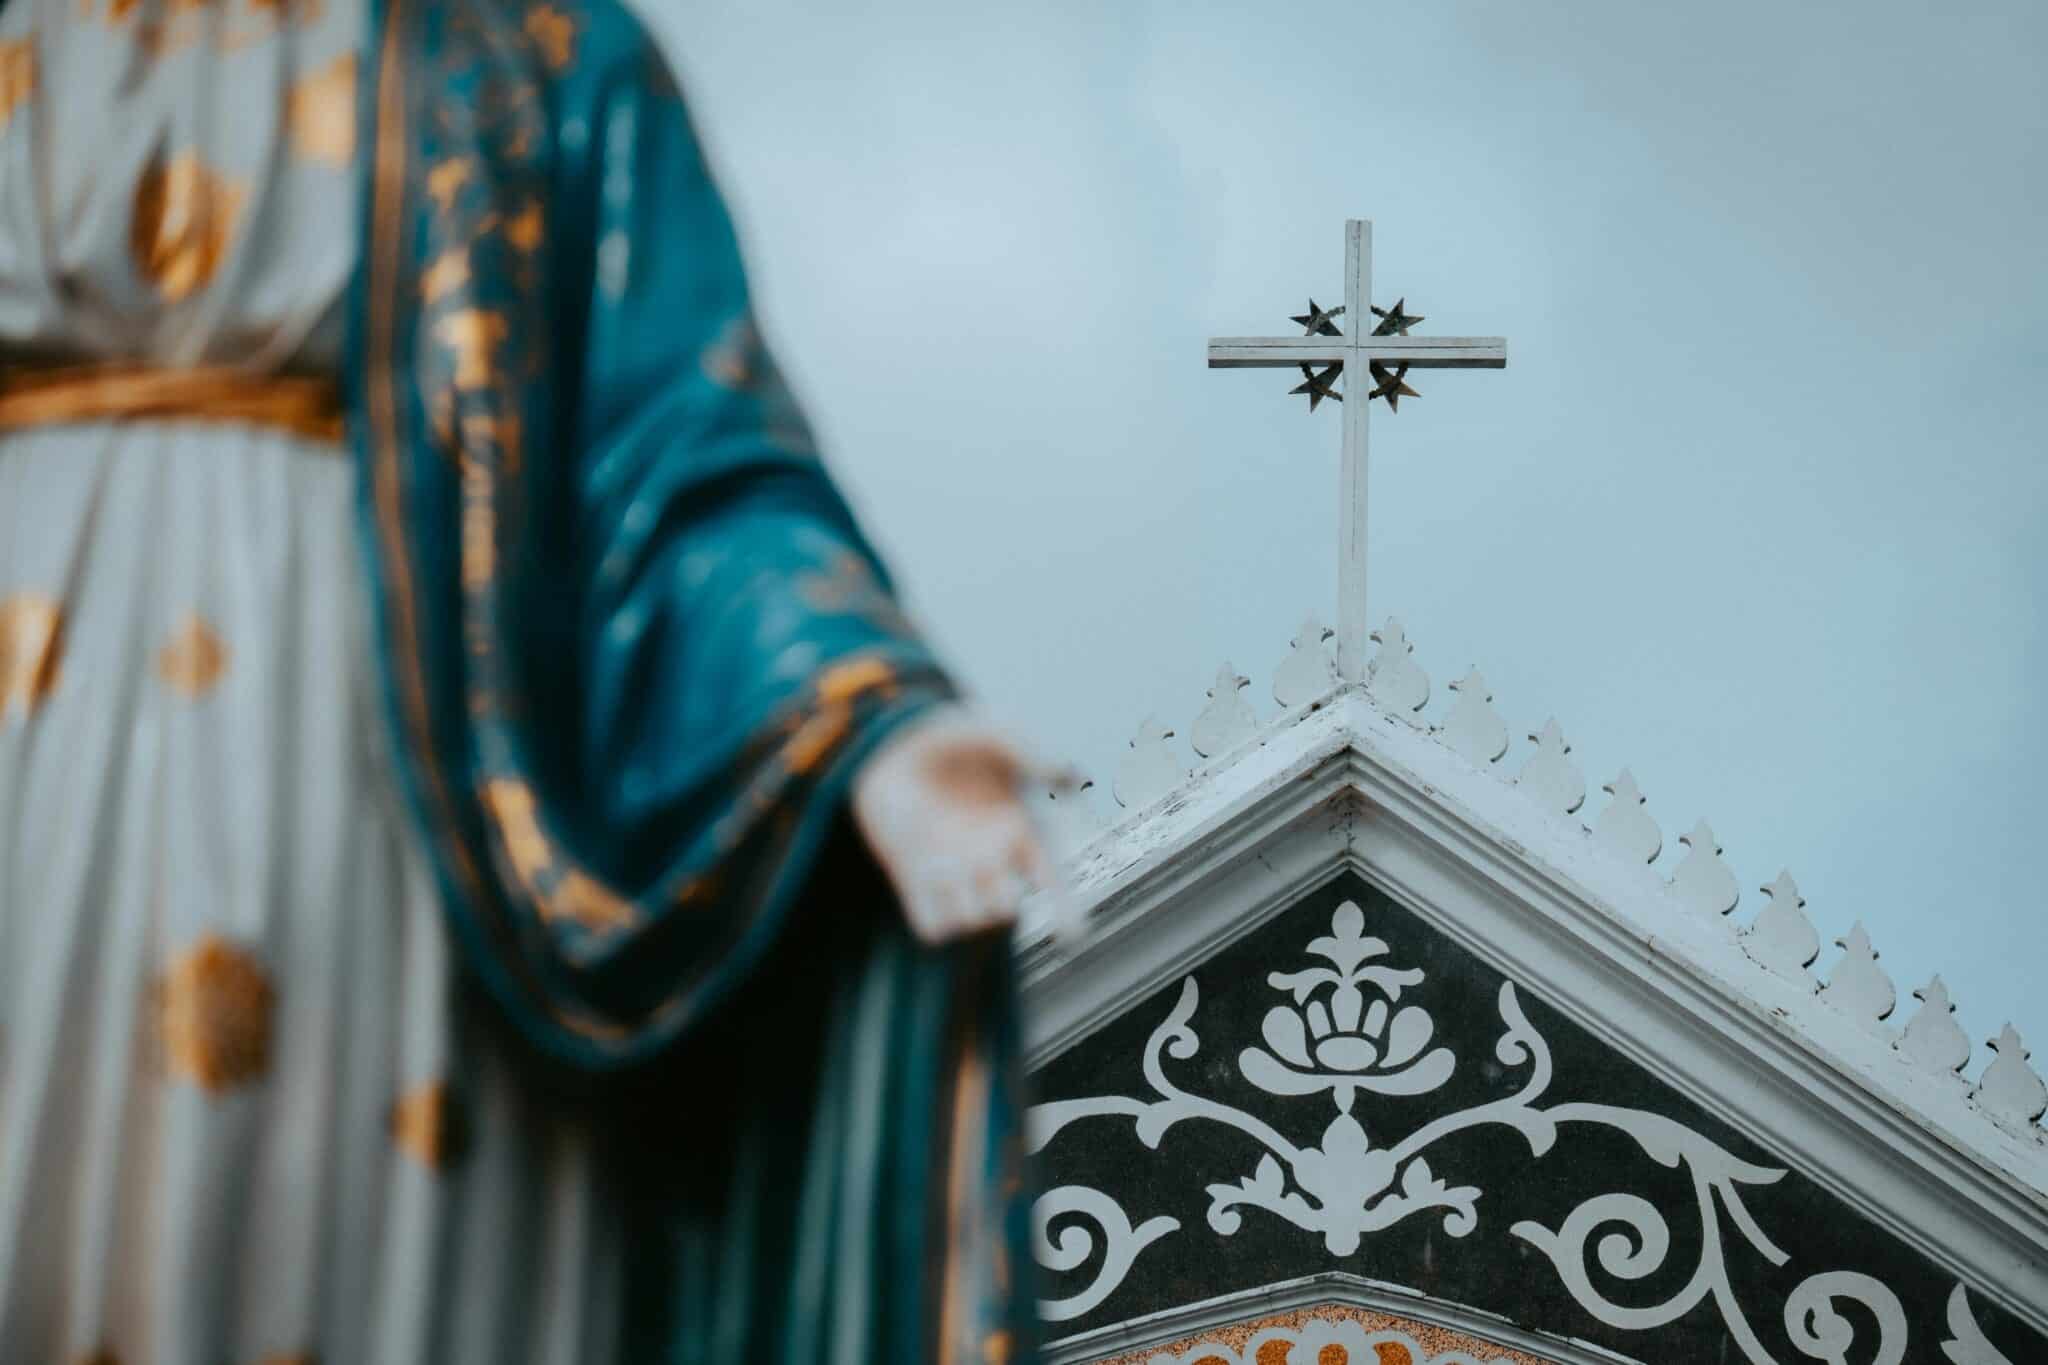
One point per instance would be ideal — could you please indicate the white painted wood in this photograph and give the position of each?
(1858, 986)
(1782, 938)
(1550, 778)
(1932, 1037)
(1702, 883)
(1396, 682)
(1227, 721)
(2010, 1090)
(1625, 829)
(1352, 490)
(1343, 787)
(1149, 770)
(1473, 729)
(1065, 810)
(1418, 353)
(1308, 671)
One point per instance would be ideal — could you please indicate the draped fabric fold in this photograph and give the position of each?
(709, 1099)
(635, 641)
(634, 648)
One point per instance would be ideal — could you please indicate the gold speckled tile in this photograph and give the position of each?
(1305, 1345)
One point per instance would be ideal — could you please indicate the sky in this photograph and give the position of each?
(1758, 508)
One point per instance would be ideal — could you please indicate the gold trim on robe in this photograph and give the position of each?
(194, 659)
(31, 650)
(184, 217)
(17, 76)
(217, 1005)
(305, 405)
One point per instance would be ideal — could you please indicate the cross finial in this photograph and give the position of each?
(1383, 353)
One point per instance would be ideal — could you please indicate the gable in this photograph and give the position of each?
(1349, 1092)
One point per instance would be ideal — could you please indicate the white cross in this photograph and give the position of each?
(1355, 351)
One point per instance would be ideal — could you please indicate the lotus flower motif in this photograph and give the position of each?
(1332, 1039)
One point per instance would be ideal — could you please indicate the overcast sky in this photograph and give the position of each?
(1757, 509)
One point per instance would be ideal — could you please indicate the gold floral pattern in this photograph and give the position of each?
(817, 737)
(733, 359)
(31, 649)
(194, 659)
(216, 1011)
(448, 273)
(179, 24)
(472, 336)
(560, 892)
(320, 111)
(426, 1125)
(17, 76)
(527, 228)
(446, 180)
(552, 31)
(843, 682)
(590, 903)
(184, 217)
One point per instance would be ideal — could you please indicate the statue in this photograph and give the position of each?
(487, 872)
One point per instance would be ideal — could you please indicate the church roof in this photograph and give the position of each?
(1874, 1090)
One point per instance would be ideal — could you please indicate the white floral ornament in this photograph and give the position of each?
(1149, 769)
(1345, 1046)
(1228, 720)
(1967, 1344)
(1065, 813)
(1395, 681)
(1120, 1243)
(1702, 883)
(1308, 671)
(1858, 986)
(1625, 829)
(1932, 1037)
(2009, 1090)
(1550, 778)
(1346, 1186)
(1782, 938)
(1473, 729)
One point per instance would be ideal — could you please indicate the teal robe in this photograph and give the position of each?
(634, 646)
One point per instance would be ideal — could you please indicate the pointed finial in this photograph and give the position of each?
(1625, 829)
(1858, 987)
(1395, 681)
(1065, 812)
(1550, 778)
(1702, 883)
(1149, 769)
(2011, 1091)
(1227, 721)
(1473, 729)
(1782, 938)
(1308, 671)
(1932, 1037)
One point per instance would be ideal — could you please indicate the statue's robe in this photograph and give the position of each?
(634, 647)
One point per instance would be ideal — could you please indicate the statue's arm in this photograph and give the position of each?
(732, 567)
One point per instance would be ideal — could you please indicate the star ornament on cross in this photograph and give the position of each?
(1322, 354)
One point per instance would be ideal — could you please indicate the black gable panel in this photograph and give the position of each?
(1346, 1089)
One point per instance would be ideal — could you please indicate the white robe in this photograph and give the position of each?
(230, 1064)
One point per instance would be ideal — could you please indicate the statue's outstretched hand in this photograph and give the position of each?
(941, 806)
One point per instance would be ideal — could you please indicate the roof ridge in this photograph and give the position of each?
(1696, 887)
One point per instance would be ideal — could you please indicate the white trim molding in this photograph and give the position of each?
(1323, 1290)
(1732, 1022)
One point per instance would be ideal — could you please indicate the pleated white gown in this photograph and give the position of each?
(232, 1081)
